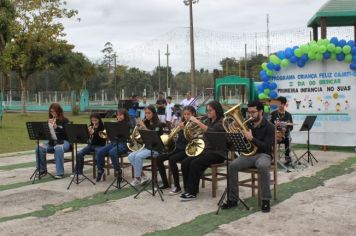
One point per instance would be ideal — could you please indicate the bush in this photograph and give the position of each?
(75, 110)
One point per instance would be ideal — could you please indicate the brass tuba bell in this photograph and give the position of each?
(136, 142)
(234, 123)
(194, 134)
(103, 134)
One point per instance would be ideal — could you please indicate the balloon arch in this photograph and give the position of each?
(323, 49)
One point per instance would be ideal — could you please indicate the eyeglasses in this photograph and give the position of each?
(252, 112)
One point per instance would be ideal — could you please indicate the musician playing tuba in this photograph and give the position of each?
(178, 155)
(194, 167)
(261, 134)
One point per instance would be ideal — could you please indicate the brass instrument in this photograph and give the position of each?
(168, 140)
(136, 142)
(194, 134)
(234, 123)
(103, 134)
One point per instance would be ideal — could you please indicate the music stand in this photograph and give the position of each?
(118, 132)
(233, 142)
(38, 131)
(77, 133)
(307, 126)
(152, 142)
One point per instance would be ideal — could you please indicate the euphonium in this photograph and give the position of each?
(168, 140)
(135, 143)
(234, 123)
(194, 134)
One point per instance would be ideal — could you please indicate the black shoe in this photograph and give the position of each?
(163, 187)
(188, 197)
(43, 173)
(265, 206)
(117, 173)
(229, 204)
(288, 161)
(101, 173)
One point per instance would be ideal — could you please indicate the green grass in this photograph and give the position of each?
(13, 133)
(328, 148)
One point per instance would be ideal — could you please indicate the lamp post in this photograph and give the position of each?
(192, 60)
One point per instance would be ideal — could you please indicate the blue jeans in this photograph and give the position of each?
(136, 159)
(80, 156)
(58, 151)
(113, 152)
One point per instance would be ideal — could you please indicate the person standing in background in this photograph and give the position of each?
(169, 112)
(132, 110)
(161, 108)
(142, 106)
(189, 101)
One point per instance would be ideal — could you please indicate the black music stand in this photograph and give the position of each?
(227, 142)
(77, 133)
(152, 142)
(118, 132)
(307, 126)
(38, 131)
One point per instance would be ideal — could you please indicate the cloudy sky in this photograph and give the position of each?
(132, 23)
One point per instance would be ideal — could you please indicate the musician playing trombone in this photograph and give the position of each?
(189, 101)
(260, 134)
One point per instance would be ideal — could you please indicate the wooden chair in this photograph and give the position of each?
(254, 182)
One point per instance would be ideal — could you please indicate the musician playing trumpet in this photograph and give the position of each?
(94, 143)
(283, 120)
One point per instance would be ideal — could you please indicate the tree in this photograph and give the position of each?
(37, 33)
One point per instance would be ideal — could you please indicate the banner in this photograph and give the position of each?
(326, 89)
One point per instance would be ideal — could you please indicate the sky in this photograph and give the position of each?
(139, 28)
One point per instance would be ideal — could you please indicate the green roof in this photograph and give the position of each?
(337, 13)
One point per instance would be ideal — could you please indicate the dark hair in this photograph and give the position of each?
(124, 112)
(155, 118)
(169, 97)
(218, 109)
(282, 99)
(58, 109)
(97, 116)
(256, 103)
(189, 108)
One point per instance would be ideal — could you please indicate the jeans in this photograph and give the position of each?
(114, 150)
(136, 160)
(80, 156)
(58, 151)
(262, 162)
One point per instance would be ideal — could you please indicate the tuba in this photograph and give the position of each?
(234, 123)
(194, 134)
(135, 143)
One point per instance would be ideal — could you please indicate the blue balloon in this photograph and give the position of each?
(293, 59)
(353, 50)
(272, 85)
(305, 57)
(274, 107)
(281, 55)
(288, 53)
(262, 73)
(265, 85)
(265, 78)
(300, 63)
(334, 40)
(295, 47)
(342, 43)
(351, 43)
(354, 58)
(260, 88)
(273, 94)
(353, 66)
(270, 66)
(340, 56)
(326, 55)
(277, 67)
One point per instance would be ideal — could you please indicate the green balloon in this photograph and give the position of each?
(320, 42)
(264, 66)
(313, 42)
(319, 57)
(262, 96)
(304, 48)
(326, 42)
(284, 63)
(274, 59)
(298, 52)
(322, 49)
(314, 48)
(346, 49)
(348, 58)
(338, 49)
(311, 55)
(269, 72)
(266, 109)
(331, 47)
(266, 91)
(333, 56)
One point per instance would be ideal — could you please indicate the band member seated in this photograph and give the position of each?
(194, 167)
(177, 156)
(262, 135)
(151, 122)
(113, 149)
(58, 144)
(283, 120)
(95, 141)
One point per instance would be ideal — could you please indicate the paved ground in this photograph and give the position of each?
(324, 210)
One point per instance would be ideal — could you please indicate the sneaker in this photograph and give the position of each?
(288, 161)
(43, 173)
(100, 174)
(144, 179)
(265, 206)
(163, 187)
(183, 194)
(58, 176)
(135, 182)
(229, 204)
(175, 191)
(188, 197)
